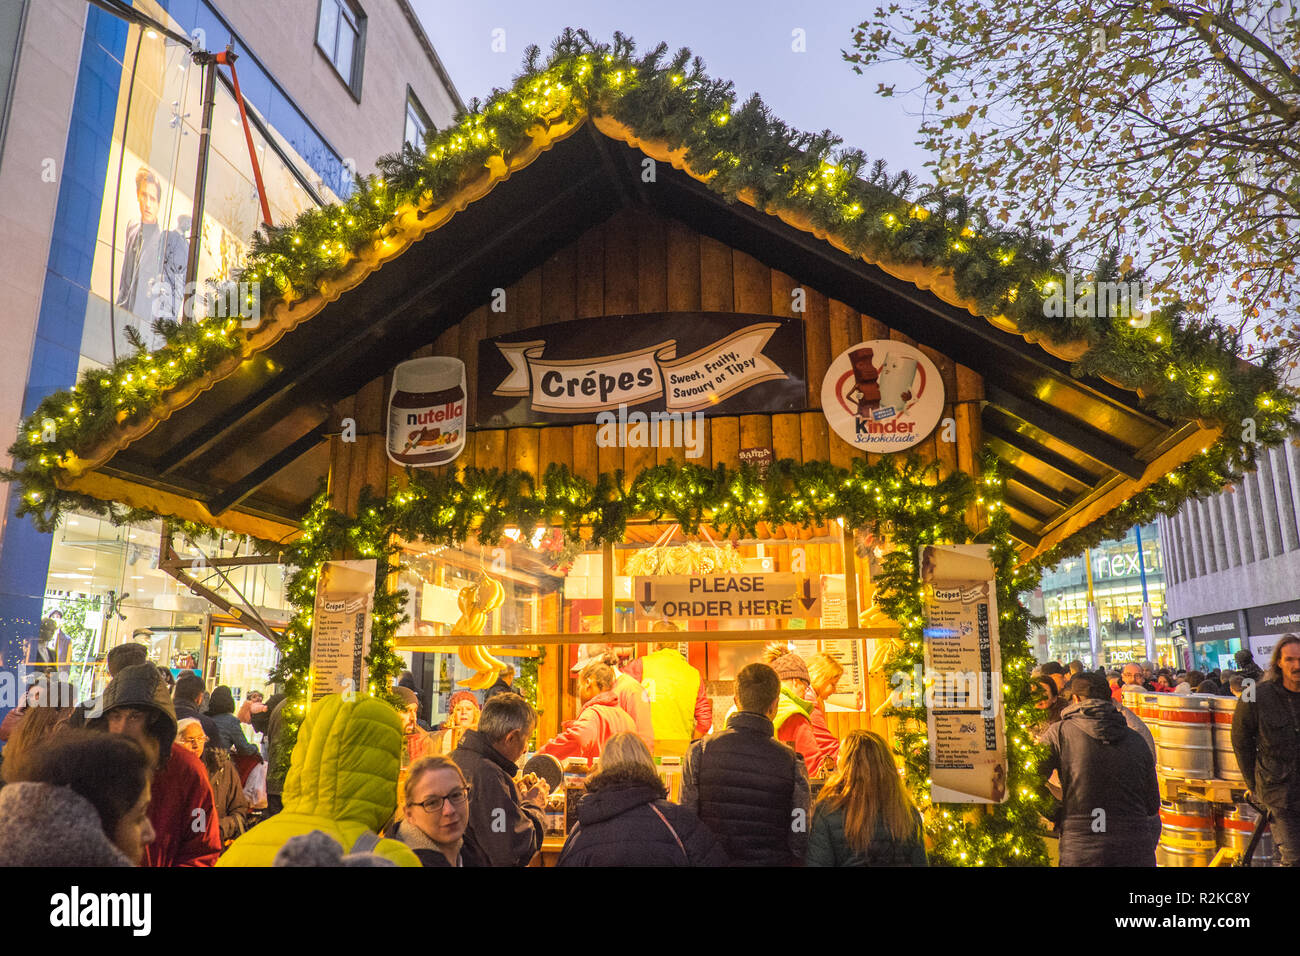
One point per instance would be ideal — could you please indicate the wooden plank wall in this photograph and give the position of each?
(638, 262)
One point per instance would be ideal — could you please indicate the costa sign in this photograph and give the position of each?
(882, 396)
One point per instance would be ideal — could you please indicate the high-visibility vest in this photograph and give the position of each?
(672, 685)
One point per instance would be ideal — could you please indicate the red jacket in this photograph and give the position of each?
(828, 745)
(601, 718)
(183, 813)
(798, 731)
(631, 697)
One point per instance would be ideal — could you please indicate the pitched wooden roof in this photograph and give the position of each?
(242, 447)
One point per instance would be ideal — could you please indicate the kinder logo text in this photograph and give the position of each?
(882, 396)
(76, 909)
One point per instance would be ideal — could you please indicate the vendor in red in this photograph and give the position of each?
(631, 695)
(600, 719)
(825, 673)
(793, 721)
(181, 807)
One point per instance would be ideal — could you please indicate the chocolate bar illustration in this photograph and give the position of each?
(865, 377)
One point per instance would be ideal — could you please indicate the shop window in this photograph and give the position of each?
(340, 35)
(720, 601)
(104, 588)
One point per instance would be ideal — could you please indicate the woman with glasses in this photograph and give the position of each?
(435, 814)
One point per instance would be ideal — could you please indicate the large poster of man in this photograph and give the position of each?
(151, 281)
(142, 249)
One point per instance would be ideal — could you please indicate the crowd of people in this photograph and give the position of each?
(1101, 767)
(62, 755)
(157, 773)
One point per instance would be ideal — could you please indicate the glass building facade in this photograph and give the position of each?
(1117, 588)
(117, 265)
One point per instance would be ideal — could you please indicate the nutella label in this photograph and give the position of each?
(427, 427)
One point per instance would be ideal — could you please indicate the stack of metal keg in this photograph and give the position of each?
(1193, 736)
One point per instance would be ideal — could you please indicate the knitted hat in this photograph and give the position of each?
(791, 667)
(124, 655)
(318, 848)
(463, 695)
(408, 696)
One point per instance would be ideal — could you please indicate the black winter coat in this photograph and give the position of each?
(493, 798)
(1266, 739)
(751, 790)
(1104, 766)
(625, 819)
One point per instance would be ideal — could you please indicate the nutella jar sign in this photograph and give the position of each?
(426, 412)
(882, 396)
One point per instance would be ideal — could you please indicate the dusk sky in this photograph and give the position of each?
(747, 43)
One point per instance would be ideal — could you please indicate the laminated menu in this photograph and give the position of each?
(962, 660)
(340, 627)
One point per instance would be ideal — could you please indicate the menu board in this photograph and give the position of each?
(340, 627)
(964, 702)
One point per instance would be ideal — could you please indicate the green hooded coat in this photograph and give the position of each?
(342, 780)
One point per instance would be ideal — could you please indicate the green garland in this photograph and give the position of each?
(1006, 834)
(906, 502)
(1185, 370)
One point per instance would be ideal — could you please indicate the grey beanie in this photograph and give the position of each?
(318, 848)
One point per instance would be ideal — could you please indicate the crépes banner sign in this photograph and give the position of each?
(715, 363)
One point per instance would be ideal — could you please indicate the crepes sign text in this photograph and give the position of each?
(719, 361)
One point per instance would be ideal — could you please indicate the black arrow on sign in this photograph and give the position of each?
(647, 605)
(807, 600)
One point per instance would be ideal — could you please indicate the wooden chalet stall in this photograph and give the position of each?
(571, 231)
(559, 274)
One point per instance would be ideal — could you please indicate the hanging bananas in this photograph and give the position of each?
(476, 602)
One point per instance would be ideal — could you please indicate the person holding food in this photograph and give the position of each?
(600, 719)
(506, 819)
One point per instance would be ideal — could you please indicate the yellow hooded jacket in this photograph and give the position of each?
(342, 780)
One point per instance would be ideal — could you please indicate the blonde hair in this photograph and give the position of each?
(623, 749)
(868, 788)
(823, 667)
(600, 673)
(428, 765)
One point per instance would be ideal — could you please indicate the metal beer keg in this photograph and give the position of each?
(1236, 825)
(1187, 835)
(1185, 746)
(1225, 760)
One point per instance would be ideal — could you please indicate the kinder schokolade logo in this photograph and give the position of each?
(882, 396)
